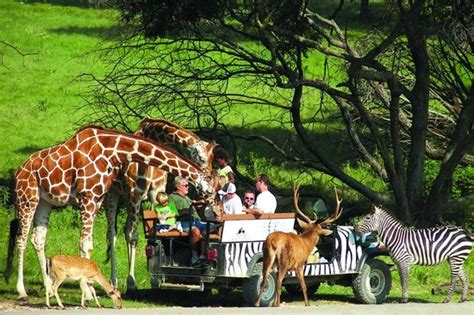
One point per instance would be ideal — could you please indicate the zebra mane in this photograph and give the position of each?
(390, 214)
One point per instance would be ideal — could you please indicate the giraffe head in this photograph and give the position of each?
(203, 153)
(206, 185)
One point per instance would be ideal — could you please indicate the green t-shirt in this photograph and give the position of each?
(165, 210)
(183, 204)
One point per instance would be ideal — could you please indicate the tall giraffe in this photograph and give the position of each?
(139, 181)
(81, 171)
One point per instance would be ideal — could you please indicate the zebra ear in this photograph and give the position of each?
(376, 208)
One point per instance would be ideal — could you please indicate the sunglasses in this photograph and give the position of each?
(249, 198)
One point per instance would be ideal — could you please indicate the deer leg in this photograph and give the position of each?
(282, 269)
(299, 274)
(84, 290)
(92, 289)
(111, 204)
(267, 265)
(56, 283)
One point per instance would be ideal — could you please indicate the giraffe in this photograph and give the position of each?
(81, 171)
(139, 181)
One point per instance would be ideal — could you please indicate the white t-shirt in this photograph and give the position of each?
(266, 201)
(232, 205)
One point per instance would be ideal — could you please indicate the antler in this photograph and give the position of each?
(337, 212)
(296, 196)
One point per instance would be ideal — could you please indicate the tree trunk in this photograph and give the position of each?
(416, 35)
(364, 11)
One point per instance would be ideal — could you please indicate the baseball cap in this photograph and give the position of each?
(227, 189)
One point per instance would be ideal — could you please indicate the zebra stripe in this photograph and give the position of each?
(429, 246)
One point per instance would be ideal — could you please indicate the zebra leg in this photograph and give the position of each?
(456, 270)
(404, 270)
(465, 284)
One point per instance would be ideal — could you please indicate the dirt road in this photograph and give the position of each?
(466, 308)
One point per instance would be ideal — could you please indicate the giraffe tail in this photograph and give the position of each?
(14, 225)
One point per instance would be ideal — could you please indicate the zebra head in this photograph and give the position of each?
(371, 223)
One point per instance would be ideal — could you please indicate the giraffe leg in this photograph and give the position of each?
(88, 212)
(131, 235)
(111, 213)
(21, 243)
(38, 239)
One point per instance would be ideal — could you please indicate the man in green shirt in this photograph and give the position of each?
(187, 212)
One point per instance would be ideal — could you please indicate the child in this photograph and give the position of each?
(166, 212)
(225, 172)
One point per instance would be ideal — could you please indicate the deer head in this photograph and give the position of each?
(115, 296)
(309, 224)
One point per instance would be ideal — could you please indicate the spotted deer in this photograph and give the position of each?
(62, 267)
(288, 251)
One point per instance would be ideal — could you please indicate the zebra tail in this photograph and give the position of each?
(14, 227)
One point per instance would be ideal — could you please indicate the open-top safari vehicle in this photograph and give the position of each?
(235, 255)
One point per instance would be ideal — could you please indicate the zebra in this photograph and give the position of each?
(430, 246)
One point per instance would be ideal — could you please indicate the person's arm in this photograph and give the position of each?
(255, 211)
(231, 177)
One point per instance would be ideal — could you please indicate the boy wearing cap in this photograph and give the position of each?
(231, 202)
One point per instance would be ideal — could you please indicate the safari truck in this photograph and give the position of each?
(235, 259)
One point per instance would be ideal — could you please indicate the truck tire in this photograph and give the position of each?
(373, 283)
(295, 289)
(251, 289)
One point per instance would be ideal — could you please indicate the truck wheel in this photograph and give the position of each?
(295, 289)
(251, 289)
(373, 283)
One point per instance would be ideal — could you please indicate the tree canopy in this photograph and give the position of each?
(395, 96)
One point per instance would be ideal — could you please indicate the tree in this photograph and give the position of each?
(402, 92)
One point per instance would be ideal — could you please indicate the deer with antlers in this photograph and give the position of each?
(288, 251)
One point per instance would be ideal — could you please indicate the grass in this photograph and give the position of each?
(422, 279)
(41, 91)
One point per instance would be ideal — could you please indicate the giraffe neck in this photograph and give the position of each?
(169, 133)
(121, 148)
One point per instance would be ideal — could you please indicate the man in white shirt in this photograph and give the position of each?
(231, 202)
(266, 201)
